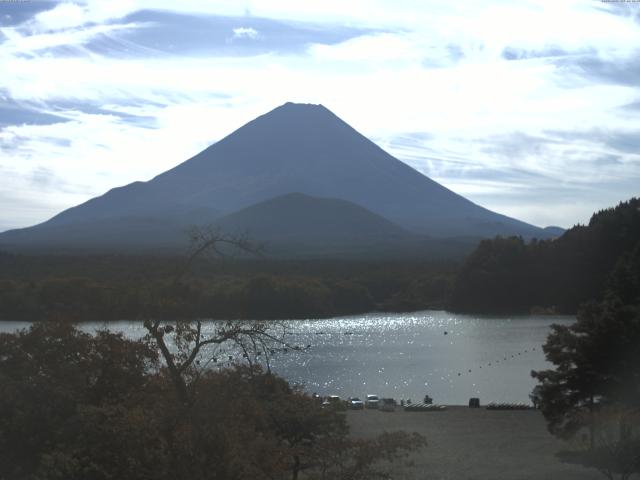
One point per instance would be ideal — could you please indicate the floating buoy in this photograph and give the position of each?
(446, 333)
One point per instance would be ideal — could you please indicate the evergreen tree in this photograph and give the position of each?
(595, 384)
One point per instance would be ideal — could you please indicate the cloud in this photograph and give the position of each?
(68, 15)
(44, 177)
(547, 177)
(245, 32)
(512, 53)
(616, 70)
(623, 141)
(16, 113)
(630, 107)
(210, 34)
(33, 194)
(15, 13)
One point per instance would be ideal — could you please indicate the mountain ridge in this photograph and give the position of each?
(301, 148)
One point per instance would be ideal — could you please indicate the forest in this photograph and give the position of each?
(502, 275)
(103, 288)
(509, 275)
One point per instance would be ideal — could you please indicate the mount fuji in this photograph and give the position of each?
(301, 169)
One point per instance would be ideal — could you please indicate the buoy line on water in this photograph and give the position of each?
(495, 363)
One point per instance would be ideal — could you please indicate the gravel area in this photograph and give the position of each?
(466, 443)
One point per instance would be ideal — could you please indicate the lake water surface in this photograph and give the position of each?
(407, 355)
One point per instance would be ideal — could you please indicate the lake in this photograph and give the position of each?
(451, 357)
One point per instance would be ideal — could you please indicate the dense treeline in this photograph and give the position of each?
(106, 288)
(507, 275)
(594, 387)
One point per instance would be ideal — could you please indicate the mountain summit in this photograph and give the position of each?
(294, 148)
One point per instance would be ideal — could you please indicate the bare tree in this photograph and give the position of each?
(189, 340)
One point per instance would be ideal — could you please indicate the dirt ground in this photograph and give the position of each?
(466, 443)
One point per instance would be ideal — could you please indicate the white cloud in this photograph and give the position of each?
(68, 15)
(18, 43)
(245, 32)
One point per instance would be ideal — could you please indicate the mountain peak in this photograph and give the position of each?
(309, 106)
(297, 112)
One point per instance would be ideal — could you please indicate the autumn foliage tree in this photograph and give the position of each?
(80, 406)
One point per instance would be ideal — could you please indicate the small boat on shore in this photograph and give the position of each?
(508, 406)
(424, 407)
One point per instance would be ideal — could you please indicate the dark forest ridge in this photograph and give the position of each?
(295, 148)
(507, 275)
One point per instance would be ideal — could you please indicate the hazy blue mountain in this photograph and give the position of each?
(553, 231)
(300, 225)
(292, 225)
(296, 217)
(294, 148)
(118, 234)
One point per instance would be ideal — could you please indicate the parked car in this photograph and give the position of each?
(333, 401)
(372, 401)
(356, 404)
(388, 405)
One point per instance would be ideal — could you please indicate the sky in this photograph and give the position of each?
(528, 108)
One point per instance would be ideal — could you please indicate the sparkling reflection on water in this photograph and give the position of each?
(405, 356)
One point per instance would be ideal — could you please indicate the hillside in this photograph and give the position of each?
(296, 216)
(507, 275)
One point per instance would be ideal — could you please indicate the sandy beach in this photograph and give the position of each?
(466, 443)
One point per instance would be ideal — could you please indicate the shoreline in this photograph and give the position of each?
(333, 317)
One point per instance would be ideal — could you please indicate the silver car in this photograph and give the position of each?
(372, 401)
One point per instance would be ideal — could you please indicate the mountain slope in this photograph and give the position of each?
(296, 148)
(290, 226)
